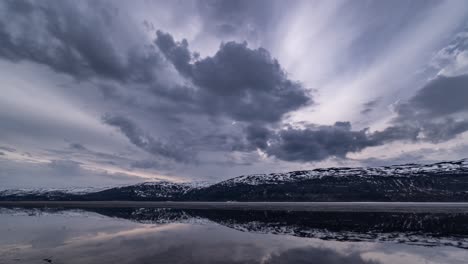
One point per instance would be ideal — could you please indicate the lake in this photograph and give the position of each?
(161, 235)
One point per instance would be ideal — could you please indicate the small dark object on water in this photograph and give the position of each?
(48, 260)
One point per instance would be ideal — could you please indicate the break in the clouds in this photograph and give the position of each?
(109, 92)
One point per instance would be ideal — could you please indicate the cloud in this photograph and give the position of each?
(316, 143)
(437, 112)
(452, 60)
(77, 146)
(395, 132)
(56, 35)
(369, 106)
(66, 168)
(242, 83)
(76, 72)
(185, 105)
(258, 136)
(439, 109)
(146, 142)
(176, 52)
(230, 18)
(91, 43)
(8, 149)
(440, 97)
(86, 155)
(147, 164)
(320, 142)
(236, 81)
(58, 174)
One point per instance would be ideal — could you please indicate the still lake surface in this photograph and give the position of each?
(159, 235)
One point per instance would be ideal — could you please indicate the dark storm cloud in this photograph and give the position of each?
(177, 52)
(440, 97)
(427, 116)
(236, 83)
(242, 83)
(439, 109)
(145, 141)
(57, 35)
(317, 142)
(80, 40)
(436, 113)
(258, 136)
(393, 133)
(247, 84)
(442, 131)
(88, 41)
(198, 104)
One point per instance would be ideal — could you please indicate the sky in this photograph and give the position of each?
(100, 93)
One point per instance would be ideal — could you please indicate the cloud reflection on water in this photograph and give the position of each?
(85, 237)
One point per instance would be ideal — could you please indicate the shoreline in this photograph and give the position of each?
(409, 207)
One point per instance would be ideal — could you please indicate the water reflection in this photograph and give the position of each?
(201, 236)
(412, 228)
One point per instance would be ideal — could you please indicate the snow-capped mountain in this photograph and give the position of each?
(443, 181)
(155, 191)
(39, 191)
(407, 170)
(47, 193)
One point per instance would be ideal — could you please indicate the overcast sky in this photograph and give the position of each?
(97, 93)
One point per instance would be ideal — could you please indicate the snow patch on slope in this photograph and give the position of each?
(406, 170)
(44, 191)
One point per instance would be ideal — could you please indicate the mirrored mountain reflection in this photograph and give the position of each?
(426, 229)
(429, 229)
(149, 235)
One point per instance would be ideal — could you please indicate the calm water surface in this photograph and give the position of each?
(151, 235)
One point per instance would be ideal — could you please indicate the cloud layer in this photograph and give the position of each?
(258, 87)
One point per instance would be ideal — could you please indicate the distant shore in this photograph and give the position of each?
(417, 207)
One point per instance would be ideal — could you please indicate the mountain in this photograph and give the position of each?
(442, 182)
(153, 191)
(46, 193)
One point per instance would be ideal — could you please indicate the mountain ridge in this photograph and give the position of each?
(441, 181)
